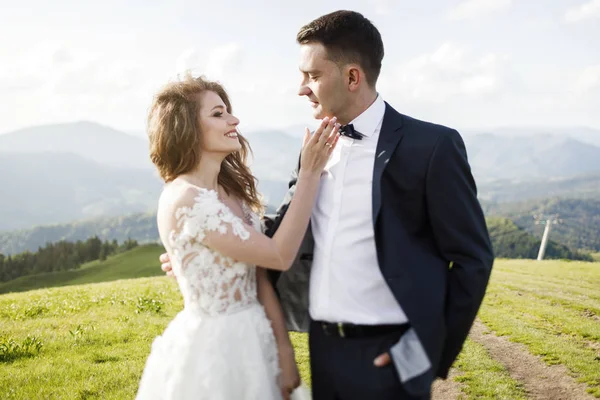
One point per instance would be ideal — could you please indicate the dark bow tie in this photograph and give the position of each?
(348, 130)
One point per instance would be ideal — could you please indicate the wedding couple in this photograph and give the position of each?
(380, 249)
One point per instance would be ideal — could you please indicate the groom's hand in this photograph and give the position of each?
(166, 264)
(383, 360)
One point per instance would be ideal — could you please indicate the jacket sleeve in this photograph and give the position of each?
(272, 221)
(461, 234)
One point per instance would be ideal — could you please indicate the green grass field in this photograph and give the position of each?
(483, 377)
(90, 341)
(553, 308)
(140, 262)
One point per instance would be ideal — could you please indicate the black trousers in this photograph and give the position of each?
(343, 369)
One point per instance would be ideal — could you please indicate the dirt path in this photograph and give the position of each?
(541, 381)
(448, 389)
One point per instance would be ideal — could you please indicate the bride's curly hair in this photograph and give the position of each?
(174, 133)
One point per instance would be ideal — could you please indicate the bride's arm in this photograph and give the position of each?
(290, 378)
(198, 216)
(202, 217)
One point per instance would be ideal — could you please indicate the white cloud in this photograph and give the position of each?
(381, 6)
(218, 63)
(477, 8)
(587, 80)
(464, 89)
(56, 72)
(448, 72)
(188, 60)
(591, 9)
(53, 83)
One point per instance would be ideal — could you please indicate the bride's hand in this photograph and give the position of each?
(290, 377)
(317, 147)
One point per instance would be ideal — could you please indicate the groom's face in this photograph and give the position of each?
(322, 81)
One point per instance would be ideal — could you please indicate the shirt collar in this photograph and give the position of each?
(367, 122)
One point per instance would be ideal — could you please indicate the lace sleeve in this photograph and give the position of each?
(205, 235)
(207, 214)
(200, 220)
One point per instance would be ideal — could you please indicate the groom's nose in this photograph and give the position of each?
(304, 91)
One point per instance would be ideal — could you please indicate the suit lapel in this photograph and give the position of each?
(390, 136)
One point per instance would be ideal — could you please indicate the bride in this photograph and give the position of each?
(229, 341)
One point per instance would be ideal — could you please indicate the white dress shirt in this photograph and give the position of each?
(346, 284)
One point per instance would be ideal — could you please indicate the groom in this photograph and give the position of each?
(397, 256)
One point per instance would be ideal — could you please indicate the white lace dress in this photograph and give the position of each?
(221, 346)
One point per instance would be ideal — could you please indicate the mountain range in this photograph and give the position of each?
(48, 188)
(67, 172)
(89, 140)
(522, 157)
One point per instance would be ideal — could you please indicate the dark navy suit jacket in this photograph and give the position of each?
(432, 242)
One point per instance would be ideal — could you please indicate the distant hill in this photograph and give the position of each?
(580, 219)
(503, 153)
(511, 241)
(55, 188)
(61, 173)
(506, 157)
(49, 188)
(95, 142)
(494, 158)
(140, 226)
(504, 191)
(56, 174)
(521, 157)
(275, 154)
(137, 263)
(580, 133)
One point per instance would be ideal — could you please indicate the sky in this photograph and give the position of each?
(469, 64)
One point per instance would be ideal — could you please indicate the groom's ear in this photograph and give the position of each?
(355, 77)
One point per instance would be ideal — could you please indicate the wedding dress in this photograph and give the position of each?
(221, 345)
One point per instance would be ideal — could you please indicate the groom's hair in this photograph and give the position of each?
(349, 37)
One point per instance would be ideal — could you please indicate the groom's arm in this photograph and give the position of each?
(272, 221)
(462, 237)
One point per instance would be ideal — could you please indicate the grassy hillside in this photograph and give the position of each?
(91, 341)
(553, 309)
(139, 262)
(508, 239)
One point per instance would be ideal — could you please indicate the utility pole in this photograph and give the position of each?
(547, 221)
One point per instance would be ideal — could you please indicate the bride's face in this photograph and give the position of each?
(218, 128)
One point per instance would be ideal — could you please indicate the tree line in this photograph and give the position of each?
(511, 241)
(580, 219)
(60, 256)
(141, 227)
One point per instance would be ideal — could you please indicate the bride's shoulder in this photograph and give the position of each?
(176, 195)
(190, 210)
(183, 205)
